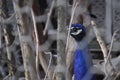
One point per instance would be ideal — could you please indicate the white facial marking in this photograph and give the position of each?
(71, 27)
(78, 32)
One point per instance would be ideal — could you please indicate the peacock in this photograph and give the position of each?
(82, 59)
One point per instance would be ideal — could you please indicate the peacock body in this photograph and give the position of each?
(82, 58)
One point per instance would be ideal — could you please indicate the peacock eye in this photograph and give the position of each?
(75, 29)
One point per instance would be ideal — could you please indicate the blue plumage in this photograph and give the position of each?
(80, 67)
(79, 26)
(82, 59)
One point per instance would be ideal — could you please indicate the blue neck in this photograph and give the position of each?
(82, 61)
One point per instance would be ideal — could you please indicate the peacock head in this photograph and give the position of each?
(77, 31)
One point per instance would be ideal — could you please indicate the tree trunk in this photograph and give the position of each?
(25, 27)
(61, 39)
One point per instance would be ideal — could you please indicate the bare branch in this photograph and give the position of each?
(37, 44)
(48, 19)
(118, 74)
(108, 57)
(48, 65)
(111, 45)
(73, 11)
(27, 52)
(101, 42)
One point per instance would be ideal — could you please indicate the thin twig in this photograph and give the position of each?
(53, 75)
(48, 20)
(107, 76)
(74, 3)
(101, 43)
(8, 20)
(111, 45)
(73, 11)
(48, 65)
(37, 44)
(108, 57)
(7, 42)
(6, 77)
(118, 74)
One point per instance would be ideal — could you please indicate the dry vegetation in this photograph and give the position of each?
(35, 43)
